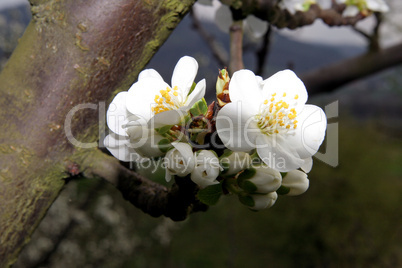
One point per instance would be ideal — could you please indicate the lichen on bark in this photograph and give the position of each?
(73, 52)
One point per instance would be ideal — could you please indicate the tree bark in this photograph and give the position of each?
(73, 52)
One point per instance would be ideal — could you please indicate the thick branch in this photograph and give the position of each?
(151, 197)
(333, 76)
(72, 53)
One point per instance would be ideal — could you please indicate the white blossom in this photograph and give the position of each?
(271, 116)
(354, 7)
(151, 103)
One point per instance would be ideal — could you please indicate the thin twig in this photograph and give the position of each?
(373, 38)
(264, 51)
(236, 46)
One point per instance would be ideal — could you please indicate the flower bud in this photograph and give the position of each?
(263, 201)
(179, 160)
(222, 88)
(206, 169)
(296, 181)
(235, 162)
(260, 179)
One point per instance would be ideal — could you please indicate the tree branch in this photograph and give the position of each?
(236, 46)
(329, 78)
(71, 53)
(269, 11)
(264, 51)
(152, 198)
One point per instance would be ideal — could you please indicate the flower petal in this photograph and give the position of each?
(307, 165)
(276, 154)
(141, 96)
(197, 94)
(117, 114)
(149, 73)
(167, 118)
(287, 87)
(168, 175)
(245, 87)
(236, 127)
(117, 146)
(184, 74)
(310, 132)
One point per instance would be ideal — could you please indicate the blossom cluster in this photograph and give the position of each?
(256, 141)
(353, 7)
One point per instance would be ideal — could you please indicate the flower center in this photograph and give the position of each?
(167, 100)
(276, 116)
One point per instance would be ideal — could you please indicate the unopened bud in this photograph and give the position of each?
(260, 179)
(179, 160)
(262, 201)
(206, 169)
(296, 182)
(222, 88)
(234, 162)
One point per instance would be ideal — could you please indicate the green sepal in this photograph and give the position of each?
(226, 153)
(192, 88)
(225, 167)
(248, 186)
(163, 130)
(199, 108)
(283, 190)
(164, 145)
(246, 200)
(210, 194)
(246, 174)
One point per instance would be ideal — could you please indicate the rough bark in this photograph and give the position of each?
(73, 52)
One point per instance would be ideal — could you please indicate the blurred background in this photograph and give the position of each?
(350, 216)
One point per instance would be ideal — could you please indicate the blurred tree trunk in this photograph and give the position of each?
(73, 52)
